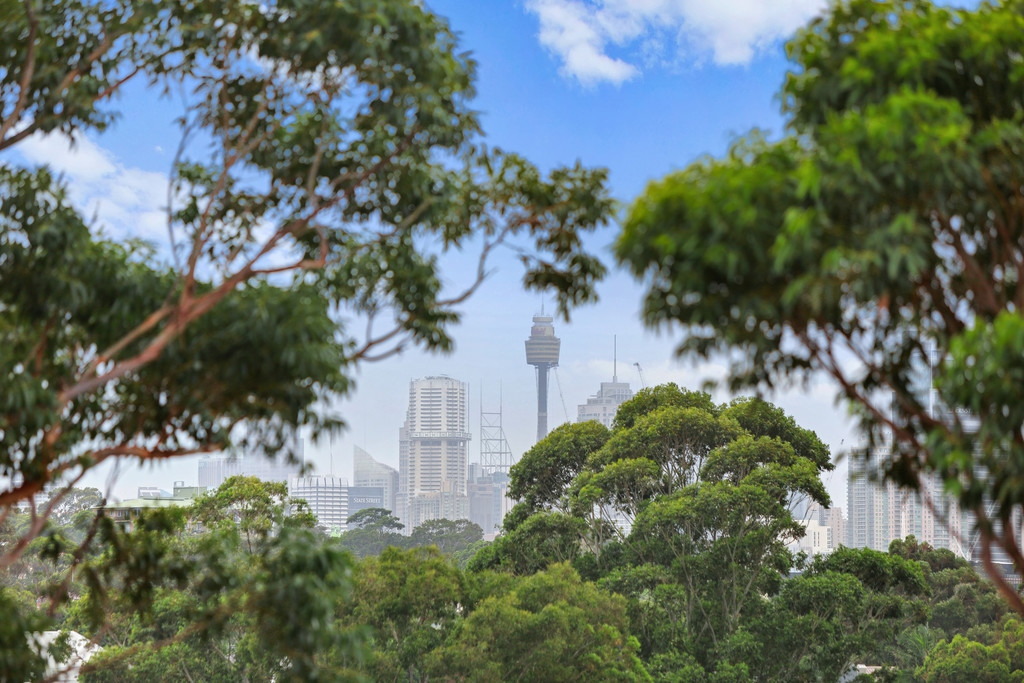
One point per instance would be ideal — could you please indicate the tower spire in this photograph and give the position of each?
(542, 353)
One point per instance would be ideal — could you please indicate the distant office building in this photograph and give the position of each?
(817, 539)
(448, 504)
(365, 497)
(432, 454)
(212, 470)
(835, 521)
(215, 469)
(180, 490)
(153, 492)
(602, 406)
(370, 473)
(327, 498)
(488, 498)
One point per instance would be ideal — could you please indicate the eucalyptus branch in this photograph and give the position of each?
(241, 148)
(1008, 592)
(116, 85)
(69, 78)
(179, 154)
(27, 72)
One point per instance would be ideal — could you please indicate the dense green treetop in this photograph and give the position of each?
(685, 507)
(551, 627)
(447, 535)
(878, 242)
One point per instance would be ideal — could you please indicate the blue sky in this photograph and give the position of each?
(642, 87)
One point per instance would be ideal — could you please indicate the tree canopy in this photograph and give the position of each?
(329, 155)
(878, 242)
(685, 507)
(240, 585)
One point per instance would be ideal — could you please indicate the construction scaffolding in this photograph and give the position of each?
(495, 453)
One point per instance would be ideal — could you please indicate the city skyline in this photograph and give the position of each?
(655, 116)
(571, 389)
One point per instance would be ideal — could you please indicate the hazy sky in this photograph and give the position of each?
(641, 87)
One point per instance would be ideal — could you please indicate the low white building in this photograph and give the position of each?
(80, 650)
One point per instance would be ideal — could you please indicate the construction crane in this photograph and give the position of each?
(640, 372)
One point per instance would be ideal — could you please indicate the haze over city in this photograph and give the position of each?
(557, 85)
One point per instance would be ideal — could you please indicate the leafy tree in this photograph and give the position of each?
(880, 572)
(648, 399)
(248, 594)
(684, 509)
(75, 501)
(464, 556)
(538, 480)
(878, 241)
(371, 531)
(330, 153)
(450, 536)
(937, 559)
(542, 539)
(959, 599)
(709, 500)
(252, 507)
(376, 519)
(410, 600)
(549, 627)
(913, 645)
(967, 660)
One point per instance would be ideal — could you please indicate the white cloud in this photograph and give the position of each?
(729, 32)
(568, 28)
(122, 201)
(127, 202)
(80, 159)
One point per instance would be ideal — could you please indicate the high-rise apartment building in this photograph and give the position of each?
(602, 406)
(880, 511)
(367, 472)
(433, 451)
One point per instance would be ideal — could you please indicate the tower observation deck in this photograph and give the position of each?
(542, 353)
